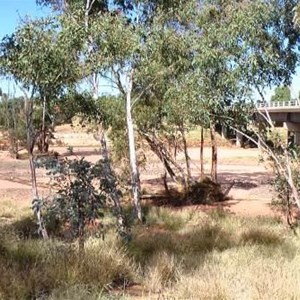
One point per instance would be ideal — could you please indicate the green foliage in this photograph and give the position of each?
(43, 61)
(12, 121)
(282, 94)
(81, 193)
(283, 200)
(113, 118)
(96, 6)
(41, 57)
(190, 64)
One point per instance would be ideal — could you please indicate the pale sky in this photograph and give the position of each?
(295, 87)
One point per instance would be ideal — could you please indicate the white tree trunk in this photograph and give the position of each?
(186, 154)
(202, 154)
(214, 154)
(36, 204)
(135, 176)
(43, 133)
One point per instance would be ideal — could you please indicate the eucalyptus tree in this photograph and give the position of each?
(277, 63)
(124, 62)
(164, 109)
(281, 94)
(116, 58)
(82, 15)
(230, 51)
(262, 42)
(120, 40)
(42, 60)
(238, 46)
(97, 18)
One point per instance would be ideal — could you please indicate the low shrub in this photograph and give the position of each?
(205, 192)
(199, 192)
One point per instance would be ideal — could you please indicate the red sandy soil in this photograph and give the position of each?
(251, 193)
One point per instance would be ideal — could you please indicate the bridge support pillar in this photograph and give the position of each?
(297, 138)
(293, 132)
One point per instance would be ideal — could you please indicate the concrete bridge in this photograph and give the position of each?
(284, 114)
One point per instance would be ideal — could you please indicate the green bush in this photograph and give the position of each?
(81, 192)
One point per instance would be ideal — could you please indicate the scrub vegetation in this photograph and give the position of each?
(181, 73)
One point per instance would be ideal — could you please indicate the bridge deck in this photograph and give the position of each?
(280, 106)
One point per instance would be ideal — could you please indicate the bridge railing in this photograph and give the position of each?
(291, 103)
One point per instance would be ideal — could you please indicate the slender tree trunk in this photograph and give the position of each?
(30, 148)
(214, 156)
(86, 13)
(165, 182)
(282, 167)
(36, 202)
(224, 132)
(202, 154)
(186, 155)
(165, 156)
(43, 126)
(35, 194)
(80, 228)
(109, 173)
(135, 176)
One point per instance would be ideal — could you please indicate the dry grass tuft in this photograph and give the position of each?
(162, 270)
(34, 268)
(176, 254)
(9, 211)
(166, 218)
(260, 236)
